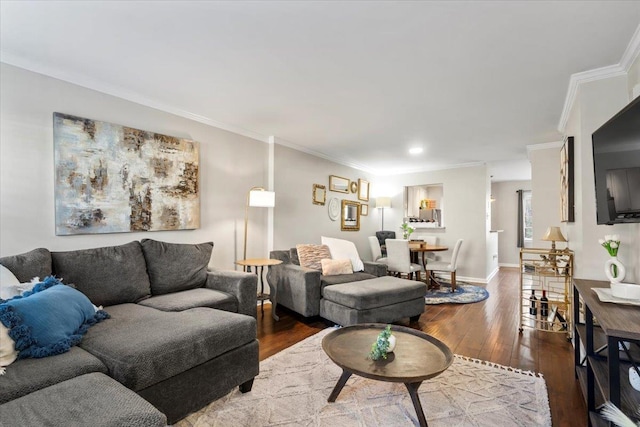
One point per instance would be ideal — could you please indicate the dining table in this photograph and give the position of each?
(416, 248)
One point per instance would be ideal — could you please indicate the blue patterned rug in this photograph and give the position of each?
(465, 293)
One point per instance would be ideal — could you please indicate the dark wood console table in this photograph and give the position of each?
(604, 372)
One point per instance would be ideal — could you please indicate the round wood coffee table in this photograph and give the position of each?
(417, 357)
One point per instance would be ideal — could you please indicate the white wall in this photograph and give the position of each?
(545, 193)
(465, 212)
(229, 165)
(596, 103)
(297, 220)
(504, 216)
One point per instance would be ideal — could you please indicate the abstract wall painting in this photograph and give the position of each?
(114, 179)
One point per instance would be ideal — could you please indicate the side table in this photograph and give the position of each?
(260, 264)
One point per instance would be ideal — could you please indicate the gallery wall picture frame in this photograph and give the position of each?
(354, 187)
(339, 184)
(363, 190)
(567, 184)
(364, 209)
(319, 195)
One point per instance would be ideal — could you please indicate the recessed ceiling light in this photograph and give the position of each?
(415, 150)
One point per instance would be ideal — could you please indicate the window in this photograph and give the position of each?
(527, 221)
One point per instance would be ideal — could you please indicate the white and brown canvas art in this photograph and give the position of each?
(113, 179)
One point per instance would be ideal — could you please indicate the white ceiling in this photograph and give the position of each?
(359, 82)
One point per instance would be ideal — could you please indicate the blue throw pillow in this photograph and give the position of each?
(48, 320)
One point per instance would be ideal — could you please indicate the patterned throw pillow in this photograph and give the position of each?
(333, 267)
(311, 256)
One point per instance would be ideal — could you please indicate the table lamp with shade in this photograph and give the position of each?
(382, 203)
(553, 235)
(256, 197)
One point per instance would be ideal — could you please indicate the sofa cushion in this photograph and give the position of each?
(26, 266)
(109, 275)
(378, 292)
(92, 399)
(310, 256)
(192, 298)
(50, 320)
(28, 375)
(176, 267)
(345, 278)
(142, 346)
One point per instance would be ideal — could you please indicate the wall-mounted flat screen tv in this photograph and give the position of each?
(616, 166)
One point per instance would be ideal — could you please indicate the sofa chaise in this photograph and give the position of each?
(368, 296)
(179, 336)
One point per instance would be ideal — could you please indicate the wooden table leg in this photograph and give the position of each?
(338, 388)
(413, 392)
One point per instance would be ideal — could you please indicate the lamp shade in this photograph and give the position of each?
(554, 234)
(383, 202)
(262, 198)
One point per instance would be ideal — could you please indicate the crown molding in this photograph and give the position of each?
(578, 79)
(632, 51)
(406, 171)
(543, 146)
(629, 56)
(297, 147)
(127, 95)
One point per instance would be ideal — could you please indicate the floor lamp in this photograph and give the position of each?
(256, 197)
(382, 203)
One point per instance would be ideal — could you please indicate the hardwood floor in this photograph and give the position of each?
(487, 330)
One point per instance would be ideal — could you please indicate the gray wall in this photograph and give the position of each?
(229, 165)
(504, 216)
(296, 219)
(465, 211)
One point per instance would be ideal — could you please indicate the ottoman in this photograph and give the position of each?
(88, 400)
(381, 300)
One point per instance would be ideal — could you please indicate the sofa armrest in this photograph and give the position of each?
(296, 287)
(375, 268)
(244, 286)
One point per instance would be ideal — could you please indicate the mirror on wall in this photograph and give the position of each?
(350, 216)
(423, 204)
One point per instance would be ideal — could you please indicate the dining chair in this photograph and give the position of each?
(432, 241)
(448, 266)
(382, 237)
(376, 252)
(399, 259)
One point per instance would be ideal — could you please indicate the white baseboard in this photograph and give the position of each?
(508, 265)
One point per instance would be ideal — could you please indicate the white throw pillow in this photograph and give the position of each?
(8, 283)
(10, 286)
(8, 353)
(343, 249)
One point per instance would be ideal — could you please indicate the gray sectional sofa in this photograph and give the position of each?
(300, 289)
(368, 296)
(179, 337)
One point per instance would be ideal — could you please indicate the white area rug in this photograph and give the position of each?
(293, 387)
